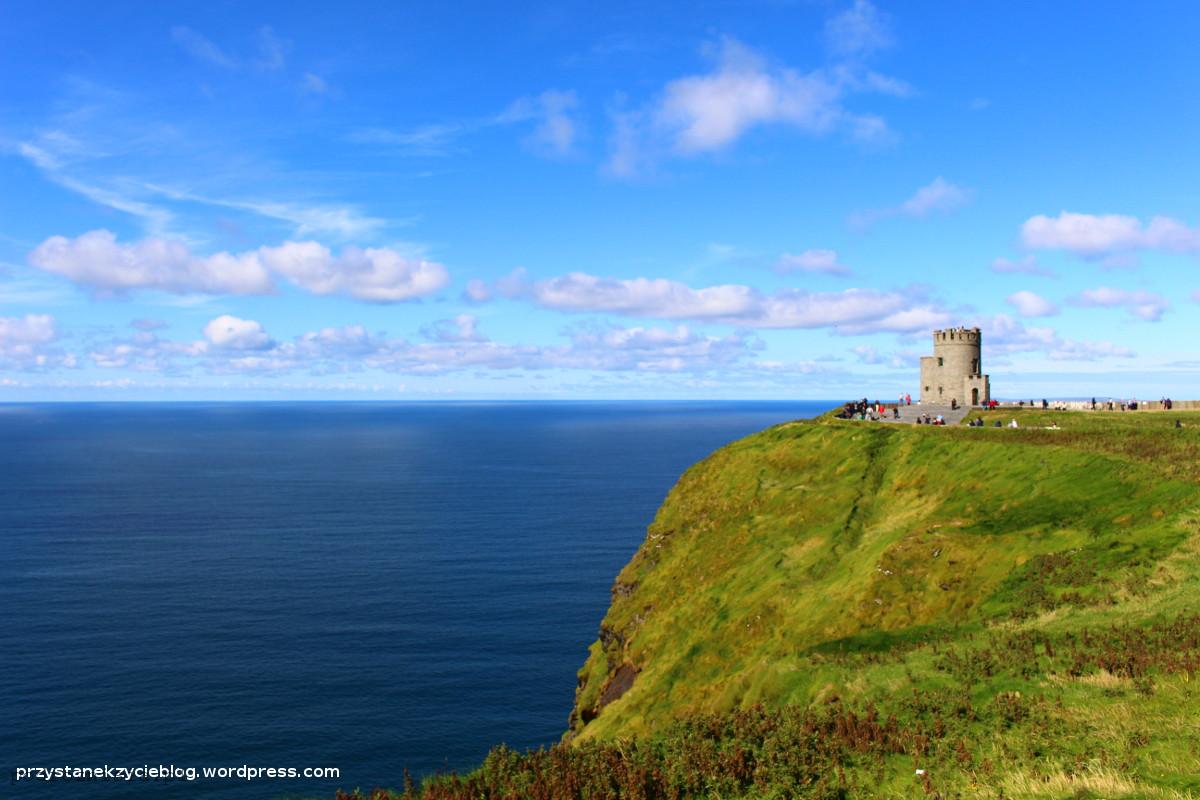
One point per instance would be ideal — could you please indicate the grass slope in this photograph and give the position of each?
(844, 609)
(829, 559)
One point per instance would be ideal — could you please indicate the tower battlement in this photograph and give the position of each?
(954, 373)
(957, 335)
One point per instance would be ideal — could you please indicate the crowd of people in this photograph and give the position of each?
(861, 409)
(864, 409)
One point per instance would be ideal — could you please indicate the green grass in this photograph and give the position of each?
(822, 559)
(1016, 611)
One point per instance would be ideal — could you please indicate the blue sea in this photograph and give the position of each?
(364, 586)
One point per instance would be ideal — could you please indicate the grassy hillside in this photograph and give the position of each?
(811, 539)
(834, 608)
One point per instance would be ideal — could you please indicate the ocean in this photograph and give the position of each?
(370, 587)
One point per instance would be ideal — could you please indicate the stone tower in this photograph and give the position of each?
(955, 370)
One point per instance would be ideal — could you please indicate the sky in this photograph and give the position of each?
(710, 200)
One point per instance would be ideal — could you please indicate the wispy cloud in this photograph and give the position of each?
(554, 112)
(311, 83)
(272, 51)
(940, 196)
(1144, 305)
(24, 292)
(345, 222)
(424, 140)
(463, 328)
(130, 197)
(202, 48)
(897, 360)
(1006, 335)
(859, 31)
(811, 261)
(1027, 265)
(156, 219)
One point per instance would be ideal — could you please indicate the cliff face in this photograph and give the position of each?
(781, 555)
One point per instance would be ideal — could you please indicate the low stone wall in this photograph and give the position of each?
(1102, 405)
(1176, 405)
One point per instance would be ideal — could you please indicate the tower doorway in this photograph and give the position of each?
(975, 396)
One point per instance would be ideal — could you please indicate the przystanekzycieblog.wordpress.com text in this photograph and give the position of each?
(166, 772)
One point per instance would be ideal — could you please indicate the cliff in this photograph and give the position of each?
(850, 609)
(827, 559)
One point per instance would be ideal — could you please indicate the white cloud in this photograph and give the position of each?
(201, 48)
(1144, 305)
(914, 316)
(867, 354)
(812, 261)
(1072, 350)
(940, 196)
(1005, 335)
(859, 31)
(477, 291)
(236, 346)
(643, 297)
(31, 329)
(1027, 265)
(557, 129)
(848, 311)
(651, 349)
(377, 274)
(1029, 304)
(463, 328)
(709, 112)
(233, 333)
(900, 359)
(98, 261)
(149, 324)
(1095, 236)
(26, 343)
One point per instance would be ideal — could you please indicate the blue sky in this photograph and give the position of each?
(704, 200)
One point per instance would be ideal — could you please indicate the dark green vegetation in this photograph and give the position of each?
(845, 609)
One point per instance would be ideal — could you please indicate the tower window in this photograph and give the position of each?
(939, 361)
